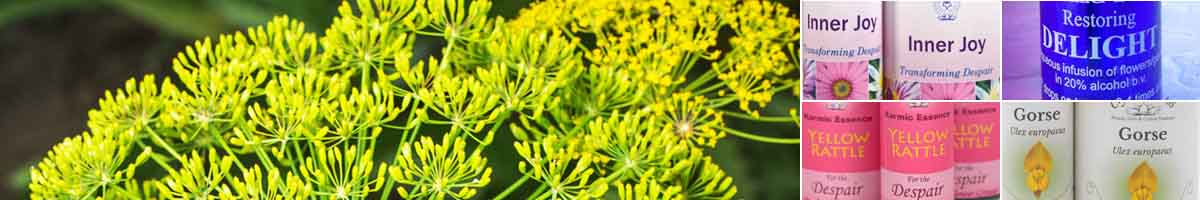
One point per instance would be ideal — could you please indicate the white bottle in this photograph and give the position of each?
(1136, 150)
(1039, 148)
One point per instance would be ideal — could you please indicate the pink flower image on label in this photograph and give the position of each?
(842, 50)
(842, 80)
(977, 150)
(947, 91)
(917, 151)
(840, 151)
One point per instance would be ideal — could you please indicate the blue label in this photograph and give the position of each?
(1100, 50)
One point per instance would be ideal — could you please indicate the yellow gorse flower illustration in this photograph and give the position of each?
(1143, 182)
(1038, 165)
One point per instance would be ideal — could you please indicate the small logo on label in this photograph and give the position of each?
(1139, 109)
(946, 10)
(836, 106)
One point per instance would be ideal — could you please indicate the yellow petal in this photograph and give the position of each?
(1038, 157)
(1038, 165)
(1143, 182)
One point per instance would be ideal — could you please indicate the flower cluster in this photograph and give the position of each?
(604, 98)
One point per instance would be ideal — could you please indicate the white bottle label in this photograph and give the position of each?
(1136, 150)
(1038, 150)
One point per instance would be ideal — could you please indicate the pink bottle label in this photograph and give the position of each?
(841, 137)
(977, 179)
(977, 150)
(918, 186)
(943, 50)
(841, 151)
(843, 47)
(918, 150)
(841, 186)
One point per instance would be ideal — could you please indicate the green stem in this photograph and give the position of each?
(759, 137)
(263, 158)
(161, 163)
(236, 160)
(540, 191)
(699, 81)
(446, 53)
(159, 141)
(760, 118)
(512, 187)
(725, 100)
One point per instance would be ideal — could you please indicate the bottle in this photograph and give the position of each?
(977, 150)
(841, 150)
(1136, 150)
(1101, 50)
(918, 151)
(843, 47)
(943, 50)
(1039, 150)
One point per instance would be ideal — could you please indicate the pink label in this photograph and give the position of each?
(942, 41)
(977, 150)
(843, 31)
(977, 138)
(917, 137)
(943, 50)
(841, 186)
(843, 46)
(841, 137)
(977, 179)
(921, 186)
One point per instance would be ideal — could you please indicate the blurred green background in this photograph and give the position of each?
(57, 57)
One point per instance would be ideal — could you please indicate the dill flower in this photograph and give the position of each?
(296, 109)
(335, 173)
(690, 118)
(564, 166)
(255, 185)
(132, 108)
(374, 107)
(700, 178)
(647, 189)
(463, 101)
(201, 177)
(426, 170)
(759, 56)
(289, 46)
(87, 165)
(634, 145)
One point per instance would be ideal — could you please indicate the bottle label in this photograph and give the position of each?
(836, 186)
(1100, 50)
(843, 44)
(841, 150)
(977, 150)
(1038, 150)
(1136, 150)
(841, 137)
(944, 50)
(918, 151)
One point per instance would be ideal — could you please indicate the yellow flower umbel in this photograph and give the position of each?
(1143, 182)
(1038, 164)
(688, 117)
